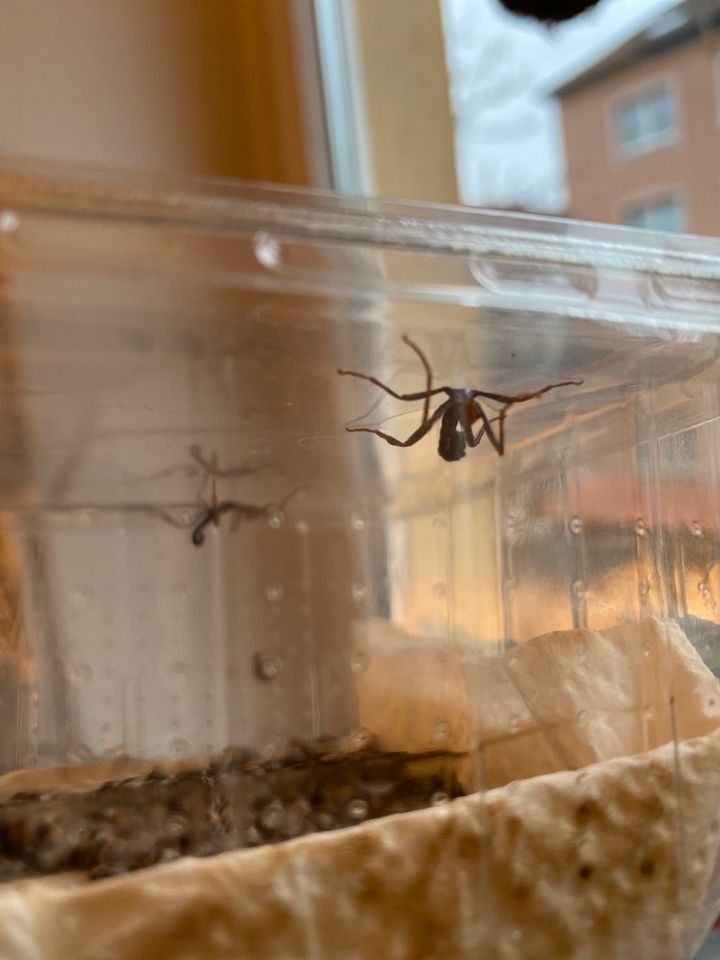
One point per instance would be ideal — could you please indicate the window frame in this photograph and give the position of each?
(654, 196)
(636, 93)
(343, 82)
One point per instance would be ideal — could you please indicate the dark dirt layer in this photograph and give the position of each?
(238, 800)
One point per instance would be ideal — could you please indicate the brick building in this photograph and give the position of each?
(642, 126)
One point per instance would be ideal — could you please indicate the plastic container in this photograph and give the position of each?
(170, 347)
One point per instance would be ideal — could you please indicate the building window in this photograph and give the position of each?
(646, 122)
(665, 214)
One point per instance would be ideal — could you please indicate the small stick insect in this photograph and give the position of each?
(242, 511)
(457, 414)
(211, 512)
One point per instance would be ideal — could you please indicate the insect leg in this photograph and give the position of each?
(420, 395)
(428, 374)
(414, 437)
(524, 397)
(497, 440)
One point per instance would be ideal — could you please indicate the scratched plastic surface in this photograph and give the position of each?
(167, 345)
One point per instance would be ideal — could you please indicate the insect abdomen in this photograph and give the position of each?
(452, 445)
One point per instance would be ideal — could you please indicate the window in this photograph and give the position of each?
(665, 214)
(646, 123)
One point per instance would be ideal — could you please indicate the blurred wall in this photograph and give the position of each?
(212, 87)
(227, 87)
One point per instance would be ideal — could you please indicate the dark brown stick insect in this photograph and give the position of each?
(457, 414)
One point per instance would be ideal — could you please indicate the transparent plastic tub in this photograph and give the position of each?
(205, 577)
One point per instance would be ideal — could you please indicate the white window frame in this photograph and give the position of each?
(651, 196)
(343, 83)
(634, 94)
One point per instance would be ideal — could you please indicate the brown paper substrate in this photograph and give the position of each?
(557, 702)
(613, 860)
(565, 866)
